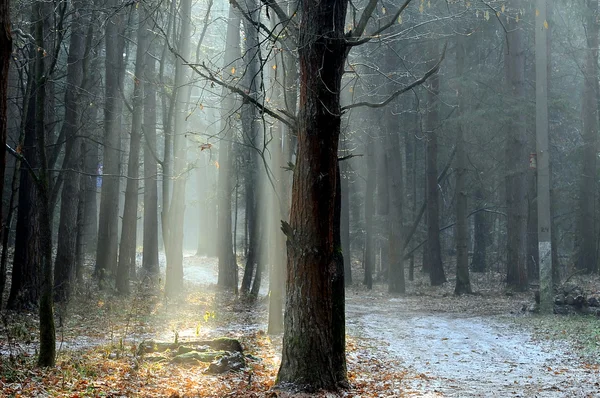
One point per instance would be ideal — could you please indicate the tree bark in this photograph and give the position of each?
(369, 258)
(5, 53)
(312, 357)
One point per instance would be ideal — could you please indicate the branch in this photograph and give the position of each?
(278, 10)
(414, 84)
(23, 159)
(354, 36)
(209, 76)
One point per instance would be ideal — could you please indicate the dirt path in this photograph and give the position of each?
(455, 355)
(458, 347)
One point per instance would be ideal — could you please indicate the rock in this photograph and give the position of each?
(579, 301)
(559, 299)
(562, 310)
(569, 299)
(231, 362)
(593, 302)
(195, 356)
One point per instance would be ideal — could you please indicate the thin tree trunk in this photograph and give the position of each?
(516, 162)
(463, 283)
(174, 277)
(228, 274)
(434, 250)
(586, 237)
(150, 239)
(106, 250)
(369, 259)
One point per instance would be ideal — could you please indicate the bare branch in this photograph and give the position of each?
(355, 35)
(414, 84)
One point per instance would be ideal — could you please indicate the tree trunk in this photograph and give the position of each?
(434, 251)
(5, 55)
(345, 224)
(516, 162)
(463, 283)
(586, 237)
(174, 277)
(369, 258)
(106, 250)
(228, 273)
(126, 265)
(150, 264)
(397, 282)
(64, 266)
(313, 357)
(478, 262)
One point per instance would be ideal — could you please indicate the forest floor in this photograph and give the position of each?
(427, 343)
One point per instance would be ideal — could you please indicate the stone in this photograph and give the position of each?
(231, 362)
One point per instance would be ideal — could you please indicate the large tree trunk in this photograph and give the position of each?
(126, 265)
(106, 250)
(313, 357)
(516, 162)
(64, 266)
(228, 276)
(434, 250)
(586, 237)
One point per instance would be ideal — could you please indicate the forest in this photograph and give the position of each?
(311, 198)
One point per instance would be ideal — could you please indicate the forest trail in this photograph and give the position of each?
(458, 346)
(457, 355)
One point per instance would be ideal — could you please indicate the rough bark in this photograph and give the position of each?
(5, 51)
(480, 234)
(312, 357)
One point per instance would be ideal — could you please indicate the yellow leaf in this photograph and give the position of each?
(503, 8)
(201, 107)
(350, 89)
(517, 18)
(468, 4)
(274, 66)
(486, 15)
(421, 9)
(546, 24)
(383, 10)
(537, 12)
(216, 164)
(233, 70)
(429, 4)
(400, 19)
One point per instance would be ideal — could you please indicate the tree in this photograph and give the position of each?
(434, 250)
(463, 283)
(516, 159)
(64, 267)
(106, 250)
(586, 237)
(6, 49)
(228, 274)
